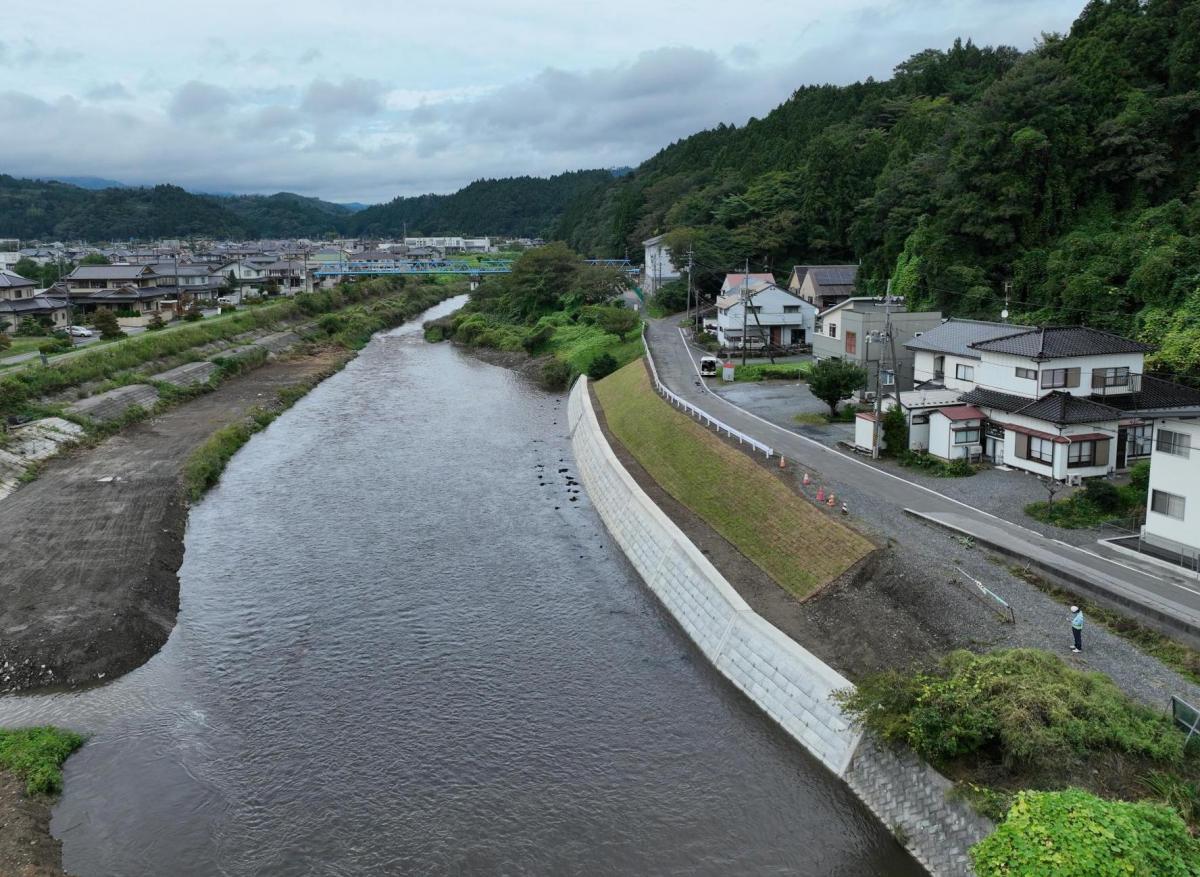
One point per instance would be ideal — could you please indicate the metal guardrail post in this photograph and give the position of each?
(1186, 716)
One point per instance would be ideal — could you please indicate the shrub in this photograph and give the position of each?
(106, 322)
(1065, 834)
(5, 341)
(895, 431)
(791, 371)
(833, 380)
(1103, 494)
(1022, 707)
(557, 375)
(193, 314)
(156, 322)
(36, 756)
(56, 345)
(30, 328)
(957, 468)
(538, 338)
(602, 366)
(1139, 478)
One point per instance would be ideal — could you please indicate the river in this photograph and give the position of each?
(408, 646)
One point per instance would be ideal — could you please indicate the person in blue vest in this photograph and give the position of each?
(1077, 628)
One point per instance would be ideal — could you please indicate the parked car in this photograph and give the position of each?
(79, 332)
(708, 366)
(226, 300)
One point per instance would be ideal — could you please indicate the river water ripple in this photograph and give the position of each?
(408, 646)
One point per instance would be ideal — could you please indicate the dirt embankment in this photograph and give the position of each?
(91, 549)
(26, 847)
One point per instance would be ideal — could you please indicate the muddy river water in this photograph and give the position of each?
(407, 646)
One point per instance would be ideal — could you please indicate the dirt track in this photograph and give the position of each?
(90, 550)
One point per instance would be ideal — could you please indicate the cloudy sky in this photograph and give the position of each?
(367, 99)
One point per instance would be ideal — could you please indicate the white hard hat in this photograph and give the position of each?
(1074, 608)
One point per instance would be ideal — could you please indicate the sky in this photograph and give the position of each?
(365, 100)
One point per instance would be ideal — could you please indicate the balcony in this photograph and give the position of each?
(1115, 385)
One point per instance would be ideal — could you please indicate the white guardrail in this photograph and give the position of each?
(699, 413)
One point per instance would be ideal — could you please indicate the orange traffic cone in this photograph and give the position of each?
(820, 494)
(807, 480)
(782, 461)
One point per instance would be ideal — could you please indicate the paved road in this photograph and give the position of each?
(1145, 584)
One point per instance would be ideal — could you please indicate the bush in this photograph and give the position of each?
(193, 314)
(1139, 478)
(790, 371)
(5, 341)
(557, 375)
(106, 322)
(36, 756)
(895, 431)
(602, 366)
(1020, 707)
(156, 323)
(58, 345)
(537, 339)
(925, 461)
(1072, 833)
(1103, 494)
(29, 328)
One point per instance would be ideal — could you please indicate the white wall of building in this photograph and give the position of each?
(1180, 476)
(997, 371)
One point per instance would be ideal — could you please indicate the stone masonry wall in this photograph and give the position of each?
(787, 682)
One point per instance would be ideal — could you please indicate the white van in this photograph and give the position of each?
(709, 366)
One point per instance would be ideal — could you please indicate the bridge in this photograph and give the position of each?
(381, 267)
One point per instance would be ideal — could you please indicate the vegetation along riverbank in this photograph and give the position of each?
(555, 309)
(30, 779)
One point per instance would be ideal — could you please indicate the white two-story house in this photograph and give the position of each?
(658, 267)
(1065, 402)
(1173, 507)
(770, 315)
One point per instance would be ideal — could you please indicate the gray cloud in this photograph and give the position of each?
(353, 97)
(197, 99)
(108, 91)
(308, 56)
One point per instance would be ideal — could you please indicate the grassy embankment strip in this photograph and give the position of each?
(110, 361)
(778, 371)
(36, 755)
(797, 544)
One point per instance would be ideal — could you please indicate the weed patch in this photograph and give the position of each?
(36, 755)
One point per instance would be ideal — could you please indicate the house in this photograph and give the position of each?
(1173, 511)
(658, 267)
(823, 285)
(769, 313)
(134, 290)
(847, 330)
(19, 301)
(289, 274)
(1063, 402)
(86, 278)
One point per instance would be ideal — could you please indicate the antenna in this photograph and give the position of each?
(1007, 290)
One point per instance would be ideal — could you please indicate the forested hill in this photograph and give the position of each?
(522, 206)
(1070, 171)
(519, 206)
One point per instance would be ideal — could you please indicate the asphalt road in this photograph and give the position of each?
(1142, 583)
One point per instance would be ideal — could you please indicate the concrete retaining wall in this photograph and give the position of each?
(786, 681)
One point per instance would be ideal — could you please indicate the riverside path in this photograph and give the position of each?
(1160, 593)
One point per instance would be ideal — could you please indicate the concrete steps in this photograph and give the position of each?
(30, 444)
(114, 403)
(188, 375)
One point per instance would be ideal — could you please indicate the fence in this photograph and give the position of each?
(699, 413)
(1186, 716)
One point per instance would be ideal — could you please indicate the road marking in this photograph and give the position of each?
(847, 457)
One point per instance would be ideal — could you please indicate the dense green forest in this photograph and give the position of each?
(1069, 172)
(523, 206)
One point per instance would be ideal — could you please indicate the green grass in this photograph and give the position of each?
(800, 546)
(24, 344)
(1072, 513)
(578, 344)
(36, 755)
(935, 466)
(782, 371)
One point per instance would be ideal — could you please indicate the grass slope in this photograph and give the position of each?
(36, 755)
(798, 545)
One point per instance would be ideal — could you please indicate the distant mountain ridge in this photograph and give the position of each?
(96, 209)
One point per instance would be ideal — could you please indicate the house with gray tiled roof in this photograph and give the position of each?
(823, 285)
(19, 300)
(1066, 402)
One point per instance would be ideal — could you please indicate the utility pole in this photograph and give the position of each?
(745, 305)
(886, 335)
(690, 263)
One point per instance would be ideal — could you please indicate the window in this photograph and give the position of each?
(791, 309)
(753, 309)
(964, 372)
(1027, 373)
(966, 436)
(833, 330)
(851, 342)
(1060, 377)
(1138, 441)
(1081, 454)
(1041, 449)
(1110, 377)
(1167, 504)
(1175, 443)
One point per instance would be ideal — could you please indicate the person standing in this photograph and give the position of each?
(1077, 628)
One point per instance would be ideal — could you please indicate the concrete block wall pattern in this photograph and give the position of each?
(785, 680)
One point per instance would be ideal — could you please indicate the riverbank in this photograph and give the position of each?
(30, 779)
